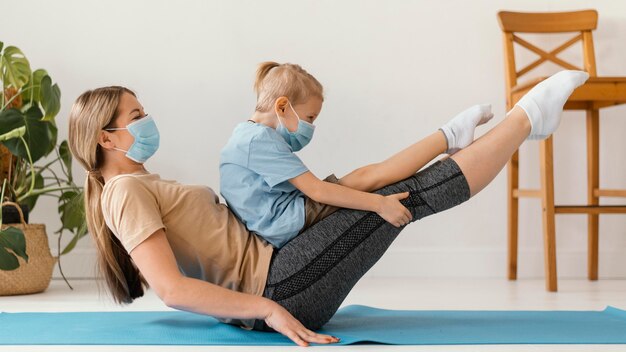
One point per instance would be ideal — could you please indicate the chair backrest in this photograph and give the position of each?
(550, 22)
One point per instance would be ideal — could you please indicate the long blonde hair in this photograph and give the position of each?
(274, 80)
(93, 111)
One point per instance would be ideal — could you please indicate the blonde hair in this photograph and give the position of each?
(274, 80)
(93, 111)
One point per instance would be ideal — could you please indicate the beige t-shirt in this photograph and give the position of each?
(208, 241)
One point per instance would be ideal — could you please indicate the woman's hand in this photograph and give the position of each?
(393, 211)
(282, 321)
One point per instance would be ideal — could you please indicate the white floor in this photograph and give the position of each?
(396, 293)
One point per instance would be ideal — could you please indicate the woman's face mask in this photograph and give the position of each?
(146, 139)
(301, 137)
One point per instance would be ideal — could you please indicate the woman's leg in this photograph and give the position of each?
(482, 160)
(312, 274)
(536, 116)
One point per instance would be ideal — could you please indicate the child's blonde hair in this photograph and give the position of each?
(274, 80)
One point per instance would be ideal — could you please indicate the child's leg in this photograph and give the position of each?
(455, 135)
(400, 166)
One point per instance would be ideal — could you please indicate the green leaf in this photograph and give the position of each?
(71, 206)
(33, 87)
(16, 133)
(52, 136)
(12, 238)
(68, 248)
(11, 119)
(15, 67)
(50, 98)
(72, 209)
(37, 134)
(66, 156)
(8, 261)
(73, 217)
(32, 200)
(1, 46)
(80, 233)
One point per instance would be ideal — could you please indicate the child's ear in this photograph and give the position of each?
(281, 104)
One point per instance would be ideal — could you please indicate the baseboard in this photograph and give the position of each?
(435, 263)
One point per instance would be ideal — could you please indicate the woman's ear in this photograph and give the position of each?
(105, 141)
(281, 104)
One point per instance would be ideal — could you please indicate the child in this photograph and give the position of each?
(275, 195)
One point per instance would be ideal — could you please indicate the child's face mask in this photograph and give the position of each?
(146, 139)
(301, 137)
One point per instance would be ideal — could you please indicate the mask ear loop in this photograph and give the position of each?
(117, 129)
(280, 122)
(298, 116)
(120, 150)
(294, 111)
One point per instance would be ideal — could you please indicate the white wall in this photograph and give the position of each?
(393, 73)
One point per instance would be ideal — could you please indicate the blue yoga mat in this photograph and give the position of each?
(353, 324)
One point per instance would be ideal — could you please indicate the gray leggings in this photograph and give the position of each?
(314, 272)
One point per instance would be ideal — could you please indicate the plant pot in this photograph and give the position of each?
(10, 215)
(34, 276)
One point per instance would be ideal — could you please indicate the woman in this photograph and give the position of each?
(198, 257)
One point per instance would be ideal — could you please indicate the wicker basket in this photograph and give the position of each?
(34, 276)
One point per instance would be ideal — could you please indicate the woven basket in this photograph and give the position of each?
(34, 276)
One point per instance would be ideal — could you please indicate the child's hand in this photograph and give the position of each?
(393, 211)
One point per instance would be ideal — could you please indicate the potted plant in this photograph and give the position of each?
(28, 133)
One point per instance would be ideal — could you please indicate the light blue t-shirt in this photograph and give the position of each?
(255, 166)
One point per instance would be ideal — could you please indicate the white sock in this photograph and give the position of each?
(459, 131)
(544, 103)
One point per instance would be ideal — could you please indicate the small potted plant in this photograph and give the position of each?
(28, 133)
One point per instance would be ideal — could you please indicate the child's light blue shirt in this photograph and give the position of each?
(255, 166)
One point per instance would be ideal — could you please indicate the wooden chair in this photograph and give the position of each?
(596, 93)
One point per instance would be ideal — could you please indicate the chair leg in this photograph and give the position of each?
(547, 203)
(513, 213)
(593, 183)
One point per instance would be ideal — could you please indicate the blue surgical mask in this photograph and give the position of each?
(146, 139)
(301, 137)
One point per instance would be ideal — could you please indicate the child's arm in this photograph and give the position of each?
(398, 167)
(388, 207)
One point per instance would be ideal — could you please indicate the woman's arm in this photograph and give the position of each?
(388, 207)
(156, 262)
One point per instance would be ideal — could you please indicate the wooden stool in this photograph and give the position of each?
(596, 93)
